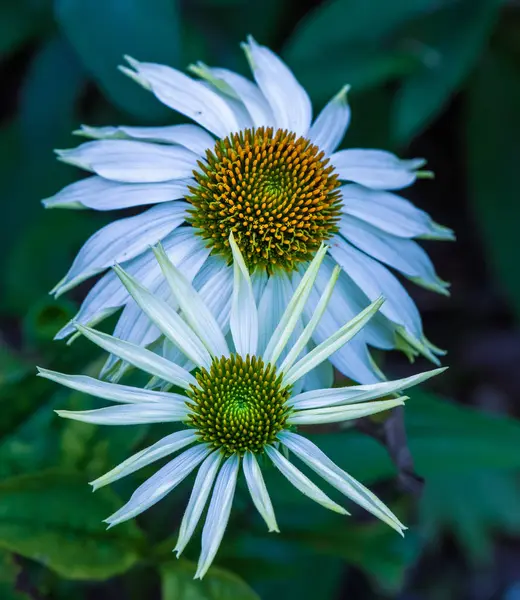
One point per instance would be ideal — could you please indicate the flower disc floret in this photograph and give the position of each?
(240, 405)
(274, 191)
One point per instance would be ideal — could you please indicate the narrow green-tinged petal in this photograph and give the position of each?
(333, 343)
(140, 357)
(166, 319)
(199, 496)
(312, 456)
(110, 391)
(258, 490)
(218, 514)
(324, 398)
(244, 314)
(195, 311)
(129, 414)
(168, 445)
(306, 335)
(293, 312)
(336, 414)
(160, 484)
(301, 482)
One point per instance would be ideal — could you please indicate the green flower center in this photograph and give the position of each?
(274, 191)
(240, 406)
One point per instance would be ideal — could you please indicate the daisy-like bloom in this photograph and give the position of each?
(254, 164)
(243, 403)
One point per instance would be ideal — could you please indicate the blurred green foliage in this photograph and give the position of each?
(405, 60)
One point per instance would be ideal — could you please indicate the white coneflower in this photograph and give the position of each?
(257, 166)
(241, 404)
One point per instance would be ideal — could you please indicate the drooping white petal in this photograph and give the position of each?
(244, 315)
(258, 490)
(132, 162)
(301, 482)
(160, 484)
(312, 456)
(338, 414)
(102, 194)
(167, 320)
(322, 398)
(216, 291)
(218, 514)
(199, 496)
(140, 357)
(192, 137)
(390, 213)
(111, 391)
(122, 240)
(306, 334)
(289, 102)
(184, 248)
(402, 254)
(129, 414)
(330, 126)
(241, 88)
(329, 346)
(375, 169)
(168, 445)
(294, 309)
(320, 377)
(185, 95)
(375, 280)
(196, 313)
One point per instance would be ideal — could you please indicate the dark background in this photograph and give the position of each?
(432, 78)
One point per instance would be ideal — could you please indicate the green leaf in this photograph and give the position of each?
(493, 156)
(342, 42)
(449, 438)
(8, 574)
(448, 44)
(474, 506)
(103, 31)
(218, 584)
(53, 518)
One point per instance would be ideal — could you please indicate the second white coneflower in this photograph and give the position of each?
(241, 404)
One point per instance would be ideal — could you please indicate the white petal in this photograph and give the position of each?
(216, 291)
(258, 490)
(321, 398)
(185, 95)
(108, 294)
(390, 213)
(244, 90)
(160, 484)
(167, 320)
(376, 169)
(244, 314)
(329, 346)
(132, 162)
(294, 309)
(129, 414)
(168, 445)
(102, 194)
(289, 102)
(122, 240)
(338, 414)
(110, 391)
(196, 313)
(321, 376)
(375, 280)
(192, 137)
(312, 456)
(140, 358)
(332, 123)
(307, 333)
(301, 482)
(218, 514)
(199, 496)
